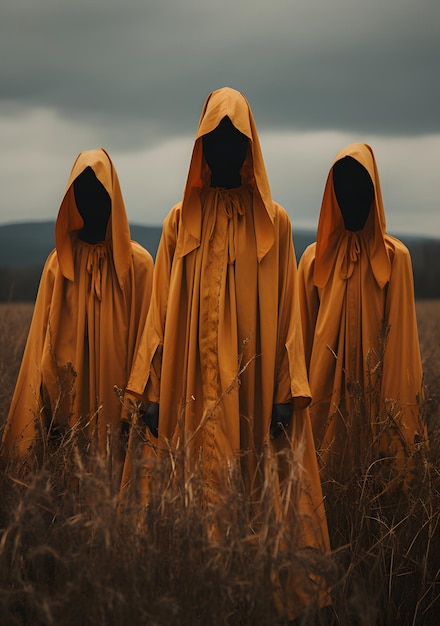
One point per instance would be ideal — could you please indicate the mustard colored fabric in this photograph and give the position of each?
(360, 333)
(91, 303)
(223, 339)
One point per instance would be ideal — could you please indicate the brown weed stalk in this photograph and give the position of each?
(72, 552)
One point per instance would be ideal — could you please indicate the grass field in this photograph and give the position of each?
(69, 555)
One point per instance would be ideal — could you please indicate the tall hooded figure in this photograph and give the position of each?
(93, 297)
(359, 324)
(221, 362)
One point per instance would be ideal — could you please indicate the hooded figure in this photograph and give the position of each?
(359, 323)
(93, 297)
(221, 360)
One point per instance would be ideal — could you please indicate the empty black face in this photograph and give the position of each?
(93, 204)
(354, 192)
(224, 150)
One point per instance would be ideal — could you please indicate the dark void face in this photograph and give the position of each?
(94, 205)
(354, 192)
(224, 150)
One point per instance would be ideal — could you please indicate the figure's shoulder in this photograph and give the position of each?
(52, 257)
(397, 250)
(282, 224)
(400, 257)
(308, 256)
(50, 271)
(281, 214)
(397, 246)
(173, 218)
(171, 223)
(310, 251)
(51, 266)
(141, 255)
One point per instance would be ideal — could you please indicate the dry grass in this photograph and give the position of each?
(69, 554)
(14, 326)
(428, 316)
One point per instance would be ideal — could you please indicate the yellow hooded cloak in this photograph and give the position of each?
(223, 338)
(360, 332)
(91, 303)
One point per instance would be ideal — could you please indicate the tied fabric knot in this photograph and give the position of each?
(231, 202)
(350, 254)
(95, 259)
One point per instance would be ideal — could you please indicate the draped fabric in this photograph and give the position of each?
(223, 339)
(360, 333)
(91, 302)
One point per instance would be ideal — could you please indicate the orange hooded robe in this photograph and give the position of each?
(91, 302)
(360, 333)
(223, 338)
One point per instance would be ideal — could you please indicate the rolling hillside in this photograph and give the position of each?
(25, 246)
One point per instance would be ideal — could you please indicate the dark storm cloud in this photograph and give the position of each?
(132, 75)
(352, 66)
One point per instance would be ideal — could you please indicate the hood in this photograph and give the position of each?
(220, 103)
(331, 226)
(69, 218)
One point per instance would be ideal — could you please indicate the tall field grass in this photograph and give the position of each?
(71, 554)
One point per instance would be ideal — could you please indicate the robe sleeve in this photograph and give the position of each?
(402, 371)
(145, 375)
(291, 378)
(309, 299)
(143, 267)
(21, 425)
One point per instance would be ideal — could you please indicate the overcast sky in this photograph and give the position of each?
(132, 75)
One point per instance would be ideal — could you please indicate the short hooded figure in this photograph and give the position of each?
(359, 323)
(93, 298)
(222, 361)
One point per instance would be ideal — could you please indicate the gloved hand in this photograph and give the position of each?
(150, 418)
(125, 433)
(281, 415)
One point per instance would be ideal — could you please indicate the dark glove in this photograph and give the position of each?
(281, 415)
(125, 433)
(150, 418)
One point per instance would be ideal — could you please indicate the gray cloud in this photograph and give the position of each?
(307, 64)
(132, 76)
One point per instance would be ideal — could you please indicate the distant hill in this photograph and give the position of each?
(25, 246)
(28, 244)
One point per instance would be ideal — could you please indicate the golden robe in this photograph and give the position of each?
(360, 333)
(91, 302)
(223, 339)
